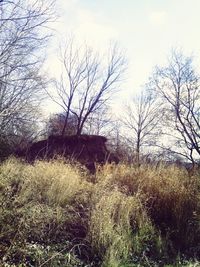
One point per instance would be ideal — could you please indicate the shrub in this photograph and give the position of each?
(5, 149)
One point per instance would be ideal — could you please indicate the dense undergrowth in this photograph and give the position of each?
(55, 214)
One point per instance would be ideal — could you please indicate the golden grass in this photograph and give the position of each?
(128, 215)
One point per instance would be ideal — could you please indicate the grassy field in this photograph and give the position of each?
(55, 214)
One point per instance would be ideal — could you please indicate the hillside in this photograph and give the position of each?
(56, 214)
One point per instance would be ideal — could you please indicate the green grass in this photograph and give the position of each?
(56, 214)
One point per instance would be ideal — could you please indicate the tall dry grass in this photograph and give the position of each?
(42, 204)
(56, 214)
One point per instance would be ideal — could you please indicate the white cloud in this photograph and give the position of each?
(69, 4)
(92, 30)
(158, 17)
(85, 24)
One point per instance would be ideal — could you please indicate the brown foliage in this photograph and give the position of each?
(87, 149)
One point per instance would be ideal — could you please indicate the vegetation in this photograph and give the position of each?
(22, 83)
(56, 214)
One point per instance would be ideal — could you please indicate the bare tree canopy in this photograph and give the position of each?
(178, 85)
(88, 81)
(22, 35)
(142, 120)
(99, 123)
(56, 123)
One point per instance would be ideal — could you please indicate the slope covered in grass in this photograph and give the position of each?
(56, 214)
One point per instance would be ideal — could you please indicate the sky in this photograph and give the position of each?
(146, 30)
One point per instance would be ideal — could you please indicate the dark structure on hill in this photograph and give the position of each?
(87, 149)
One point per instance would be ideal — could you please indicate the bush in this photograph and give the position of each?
(5, 149)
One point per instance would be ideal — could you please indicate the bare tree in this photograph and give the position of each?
(22, 36)
(87, 82)
(99, 122)
(178, 85)
(56, 124)
(141, 121)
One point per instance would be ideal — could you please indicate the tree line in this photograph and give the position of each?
(162, 120)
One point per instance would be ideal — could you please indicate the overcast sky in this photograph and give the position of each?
(146, 29)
